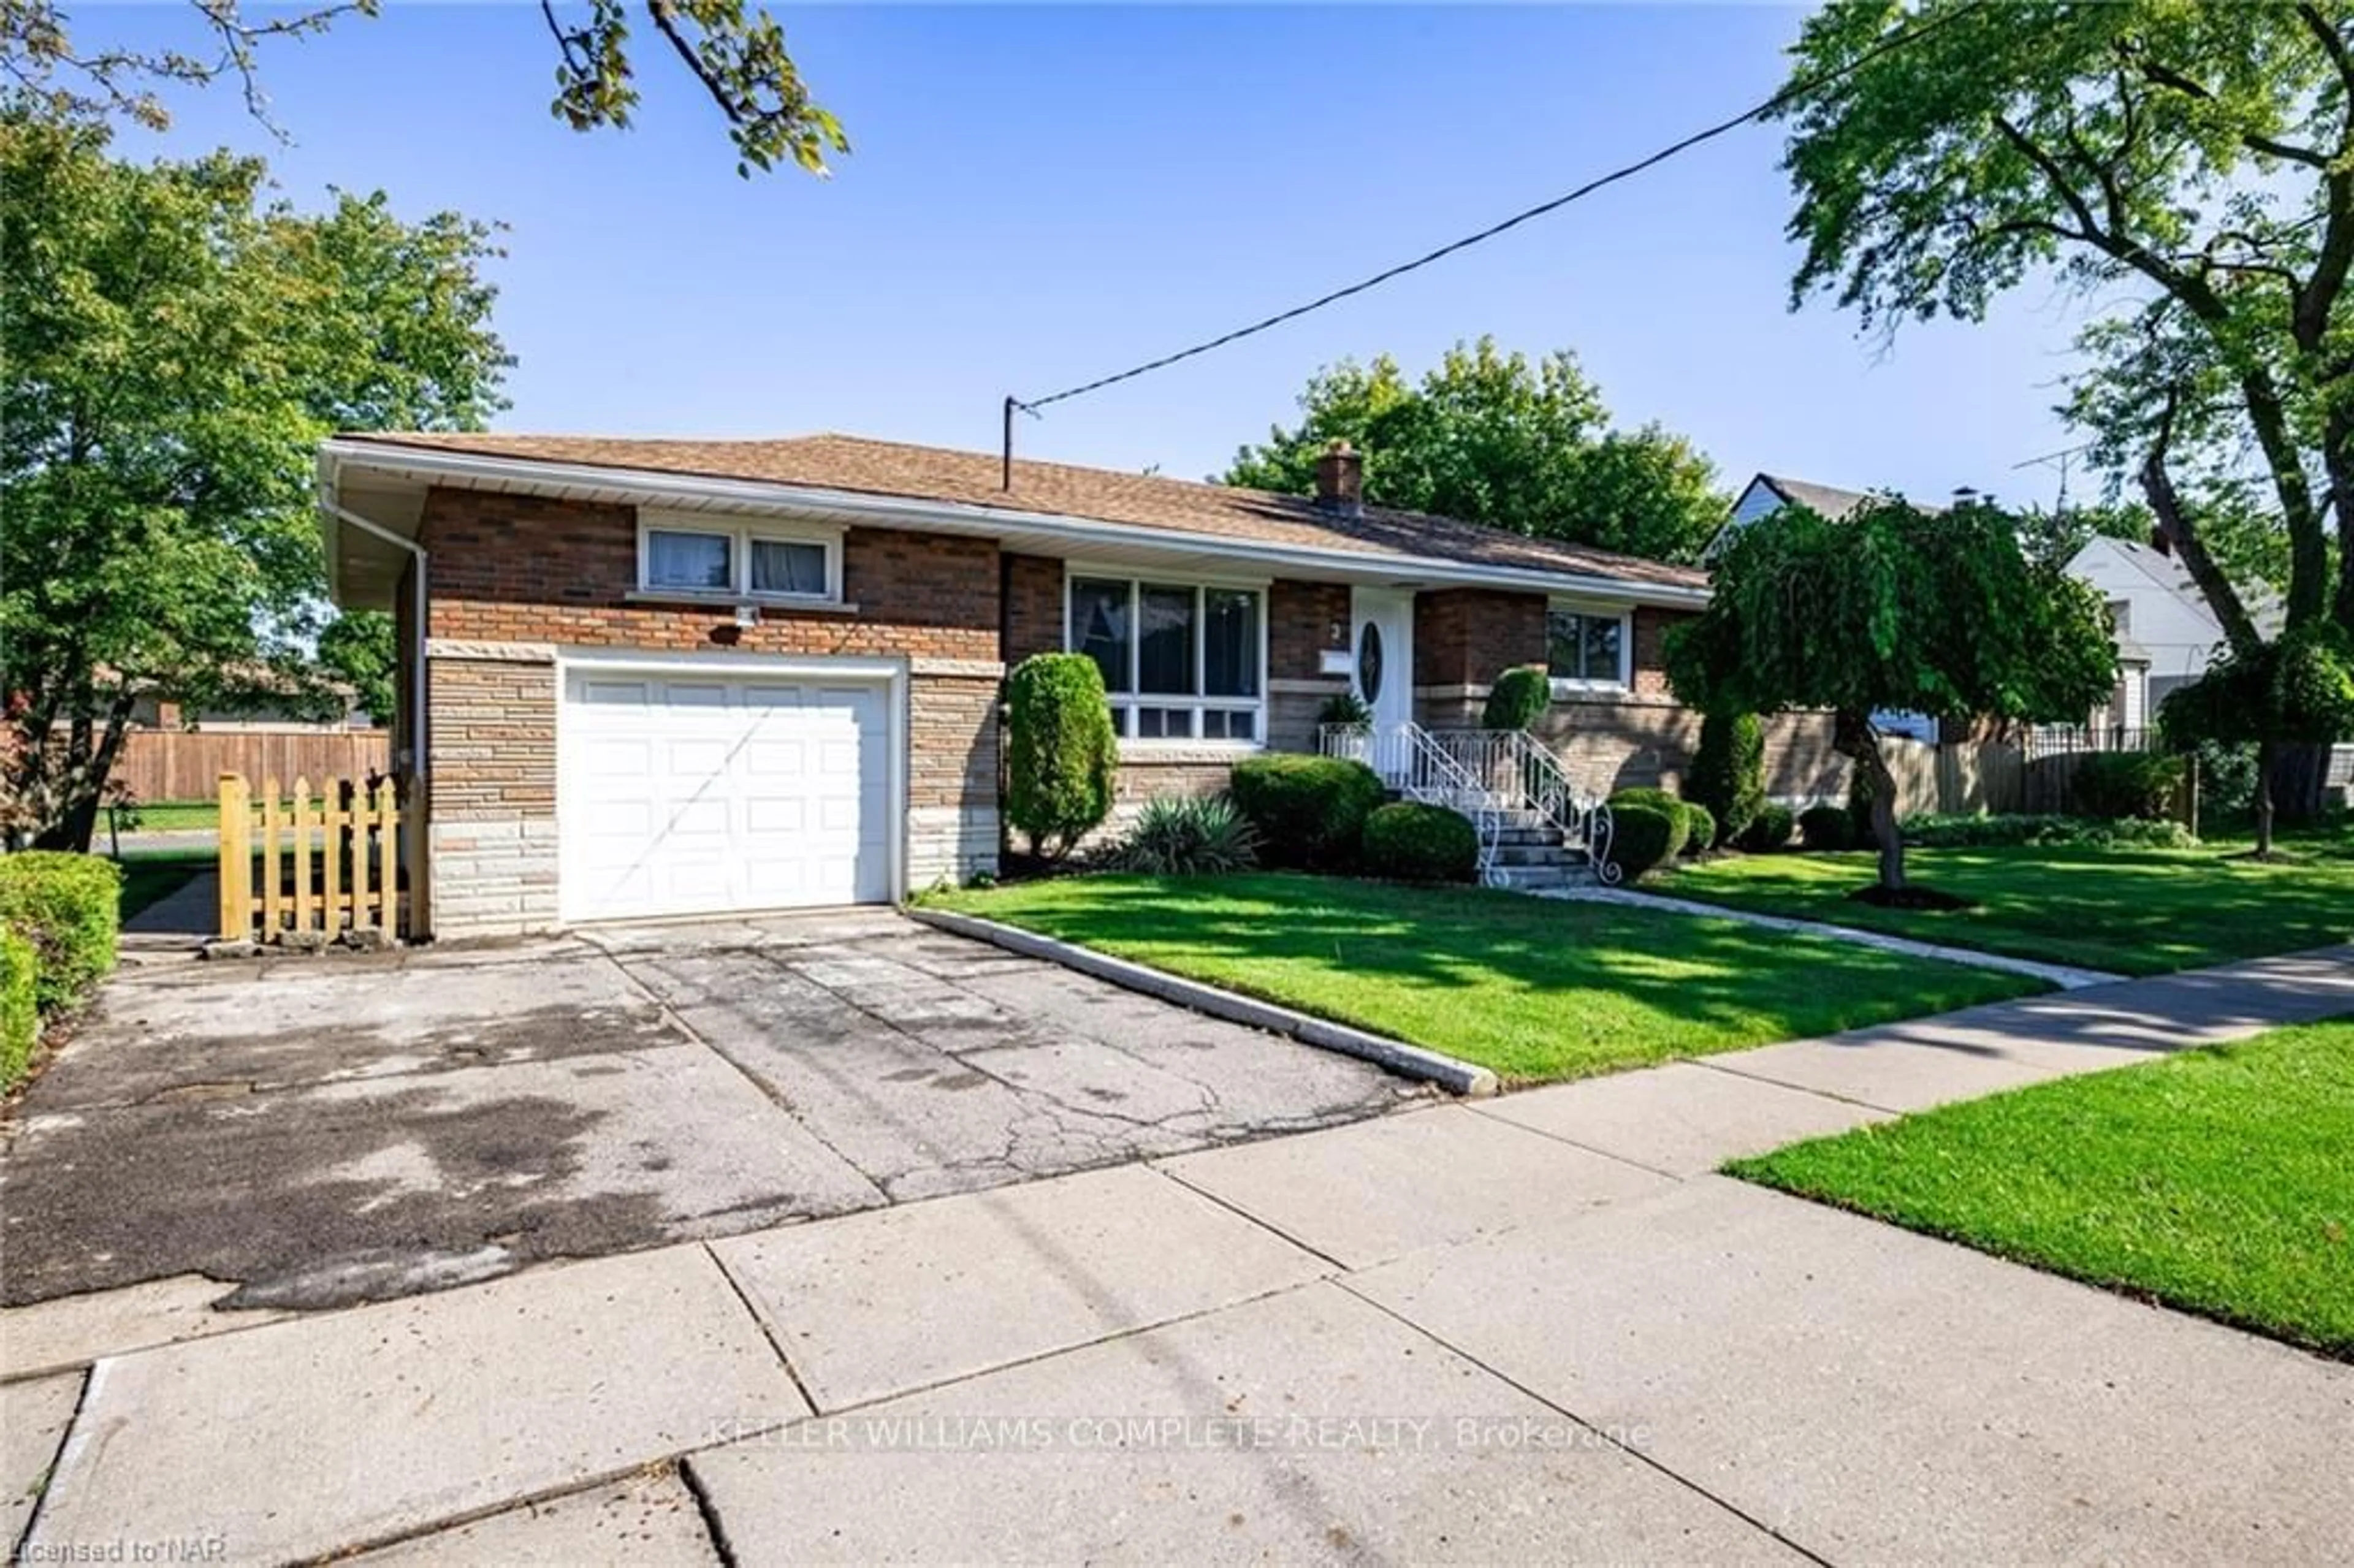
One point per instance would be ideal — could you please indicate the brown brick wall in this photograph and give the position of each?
(522, 568)
(1300, 621)
(1467, 637)
(1651, 659)
(1033, 597)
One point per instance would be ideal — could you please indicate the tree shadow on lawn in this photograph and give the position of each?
(1523, 983)
(2133, 911)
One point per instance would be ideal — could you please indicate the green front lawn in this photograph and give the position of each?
(172, 816)
(2216, 1181)
(2129, 911)
(1534, 988)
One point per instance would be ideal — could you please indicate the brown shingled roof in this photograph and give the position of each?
(1142, 500)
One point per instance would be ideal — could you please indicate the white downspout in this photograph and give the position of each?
(416, 553)
(421, 875)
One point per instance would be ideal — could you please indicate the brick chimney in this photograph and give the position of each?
(1340, 480)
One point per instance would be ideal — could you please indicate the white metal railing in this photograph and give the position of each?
(1512, 764)
(1494, 778)
(1411, 763)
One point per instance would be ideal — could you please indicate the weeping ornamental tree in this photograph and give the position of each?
(1892, 609)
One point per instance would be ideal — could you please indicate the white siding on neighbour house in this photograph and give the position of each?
(2174, 628)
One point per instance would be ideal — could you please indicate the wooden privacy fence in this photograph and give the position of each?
(1955, 777)
(300, 869)
(185, 764)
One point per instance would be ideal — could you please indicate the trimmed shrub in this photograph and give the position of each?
(1728, 772)
(1420, 844)
(68, 907)
(1060, 751)
(1826, 828)
(1703, 823)
(1679, 815)
(2113, 785)
(20, 1017)
(1309, 812)
(1642, 837)
(1771, 830)
(1188, 835)
(1518, 699)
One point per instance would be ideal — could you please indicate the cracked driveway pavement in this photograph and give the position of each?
(328, 1130)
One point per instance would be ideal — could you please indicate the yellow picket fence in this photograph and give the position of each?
(307, 868)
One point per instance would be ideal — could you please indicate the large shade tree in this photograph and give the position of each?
(737, 58)
(2188, 169)
(1892, 609)
(173, 347)
(1496, 438)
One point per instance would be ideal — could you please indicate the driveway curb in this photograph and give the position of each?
(1407, 1061)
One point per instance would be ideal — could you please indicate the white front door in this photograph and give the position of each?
(1381, 622)
(685, 794)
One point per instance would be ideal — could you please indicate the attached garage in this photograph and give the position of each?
(709, 791)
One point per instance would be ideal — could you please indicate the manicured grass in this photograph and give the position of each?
(173, 816)
(1534, 988)
(2129, 911)
(150, 875)
(2216, 1181)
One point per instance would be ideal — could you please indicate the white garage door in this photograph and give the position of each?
(688, 794)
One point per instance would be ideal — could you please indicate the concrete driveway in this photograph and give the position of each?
(328, 1130)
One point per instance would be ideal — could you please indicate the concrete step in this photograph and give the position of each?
(1536, 854)
(1545, 878)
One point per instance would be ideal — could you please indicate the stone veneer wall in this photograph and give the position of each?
(514, 577)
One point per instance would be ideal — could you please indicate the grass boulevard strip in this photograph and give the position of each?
(2214, 1181)
(1534, 990)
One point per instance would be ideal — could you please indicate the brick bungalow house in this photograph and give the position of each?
(667, 677)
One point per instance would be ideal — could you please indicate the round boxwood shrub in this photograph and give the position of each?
(1770, 830)
(1307, 812)
(68, 906)
(1060, 752)
(1642, 837)
(1415, 842)
(1728, 772)
(1826, 828)
(1703, 823)
(1661, 801)
(1518, 699)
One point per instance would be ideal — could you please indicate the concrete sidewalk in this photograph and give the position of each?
(1532, 1330)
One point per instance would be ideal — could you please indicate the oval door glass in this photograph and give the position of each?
(1369, 663)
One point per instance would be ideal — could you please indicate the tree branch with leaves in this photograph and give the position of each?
(737, 58)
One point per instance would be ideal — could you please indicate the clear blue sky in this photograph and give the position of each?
(1041, 196)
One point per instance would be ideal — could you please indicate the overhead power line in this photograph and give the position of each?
(1797, 89)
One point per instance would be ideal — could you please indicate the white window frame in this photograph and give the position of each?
(1565, 685)
(740, 533)
(1138, 581)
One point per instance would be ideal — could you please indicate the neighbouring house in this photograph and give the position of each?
(668, 677)
(2161, 617)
